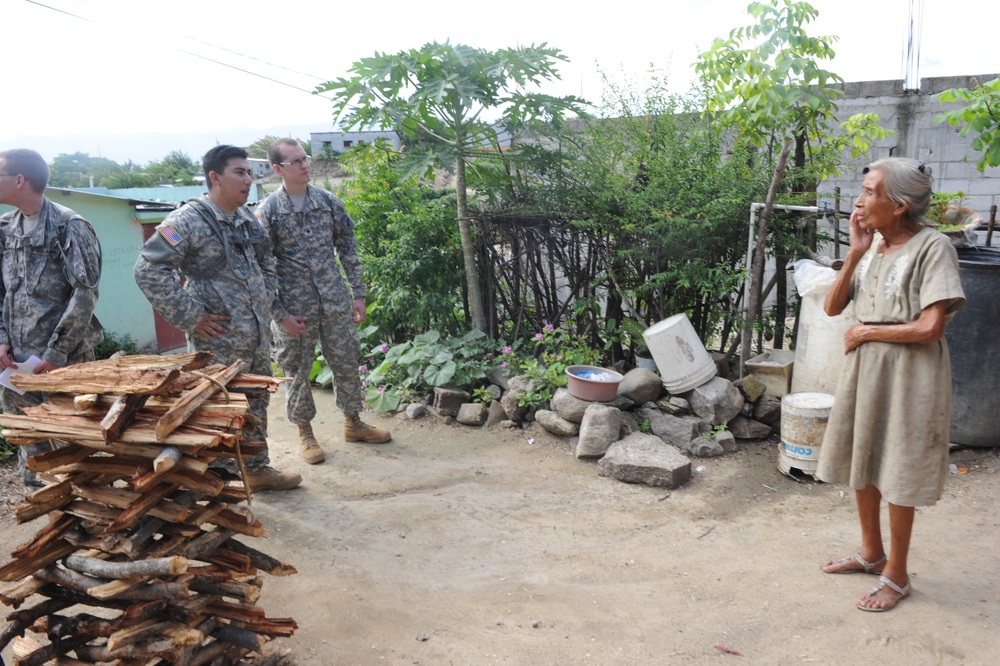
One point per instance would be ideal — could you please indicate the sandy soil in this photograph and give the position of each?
(453, 545)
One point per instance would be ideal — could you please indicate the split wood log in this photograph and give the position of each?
(121, 498)
(28, 512)
(237, 522)
(93, 512)
(52, 532)
(15, 595)
(43, 462)
(262, 561)
(20, 620)
(19, 568)
(167, 459)
(167, 566)
(237, 636)
(29, 652)
(82, 379)
(141, 506)
(207, 544)
(121, 415)
(208, 654)
(195, 398)
(178, 635)
(85, 401)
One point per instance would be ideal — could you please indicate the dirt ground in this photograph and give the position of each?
(454, 545)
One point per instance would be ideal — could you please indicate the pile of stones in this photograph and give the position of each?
(644, 435)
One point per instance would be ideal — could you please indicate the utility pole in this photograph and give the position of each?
(911, 53)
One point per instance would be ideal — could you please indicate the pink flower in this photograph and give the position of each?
(362, 368)
(538, 336)
(549, 327)
(381, 389)
(384, 348)
(506, 350)
(504, 364)
(559, 357)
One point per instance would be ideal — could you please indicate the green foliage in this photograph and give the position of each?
(258, 149)
(766, 78)
(944, 210)
(82, 170)
(114, 342)
(552, 351)
(408, 244)
(981, 118)
(448, 102)
(400, 372)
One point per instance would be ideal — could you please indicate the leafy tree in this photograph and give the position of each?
(440, 98)
(258, 149)
(981, 117)
(408, 244)
(766, 80)
(174, 169)
(76, 170)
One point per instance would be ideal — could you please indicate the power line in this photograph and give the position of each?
(206, 58)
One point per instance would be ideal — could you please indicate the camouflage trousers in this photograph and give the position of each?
(12, 402)
(338, 340)
(258, 362)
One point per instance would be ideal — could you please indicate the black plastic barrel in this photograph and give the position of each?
(975, 351)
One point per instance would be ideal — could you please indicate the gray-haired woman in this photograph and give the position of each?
(888, 430)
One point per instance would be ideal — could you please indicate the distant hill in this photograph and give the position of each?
(148, 146)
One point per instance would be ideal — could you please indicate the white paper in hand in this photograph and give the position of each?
(23, 368)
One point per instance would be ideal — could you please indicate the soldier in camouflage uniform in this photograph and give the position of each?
(310, 230)
(51, 268)
(224, 307)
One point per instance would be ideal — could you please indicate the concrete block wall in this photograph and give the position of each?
(910, 114)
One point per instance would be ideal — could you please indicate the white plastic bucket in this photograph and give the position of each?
(681, 358)
(803, 424)
(819, 346)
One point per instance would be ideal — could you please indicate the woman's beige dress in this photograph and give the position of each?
(892, 413)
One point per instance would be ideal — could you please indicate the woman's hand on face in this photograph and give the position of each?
(861, 239)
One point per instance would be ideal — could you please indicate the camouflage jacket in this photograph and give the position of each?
(307, 247)
(50, 285)
(227, 267)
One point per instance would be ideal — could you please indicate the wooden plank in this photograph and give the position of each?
(45, 536)
(43, 462)
(195, 398)
(19, 568)
(121, 415)
(118, 497)
(81, 379)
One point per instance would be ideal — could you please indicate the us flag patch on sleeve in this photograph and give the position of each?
(169, 234)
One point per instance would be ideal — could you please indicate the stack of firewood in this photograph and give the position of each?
(141, 540)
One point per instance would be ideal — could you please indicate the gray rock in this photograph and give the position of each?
(629, 425)
(641, 385)
(472, 414)
(448, 401)
(722, 368)
(507, 423)
(496, 415)
(675, 430)
(500, 376)
(641, 458)
(674, 405)
(743, 428)
(492, 392)
(516, 387)
(569, 406)
(717, 400)
(727, 440)
(415, 410)
(556, 424)
(600, 427)
(767, 410)
(751, 388)
(704, 447)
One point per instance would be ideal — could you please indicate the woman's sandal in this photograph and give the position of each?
(883, 583)
(869, 567)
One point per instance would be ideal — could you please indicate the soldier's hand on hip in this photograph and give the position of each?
(209, 327)
(295, 326)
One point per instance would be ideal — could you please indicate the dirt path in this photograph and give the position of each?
(457, 546)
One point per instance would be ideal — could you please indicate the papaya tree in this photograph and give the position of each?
(451, 104)
(981, 116)
(767, 81)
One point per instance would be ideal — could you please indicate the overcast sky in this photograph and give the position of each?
(134, 79)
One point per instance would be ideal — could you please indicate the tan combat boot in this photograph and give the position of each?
(268, 478)
(356, 430)
(309, 447)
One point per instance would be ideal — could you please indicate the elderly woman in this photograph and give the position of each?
(888, 430)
